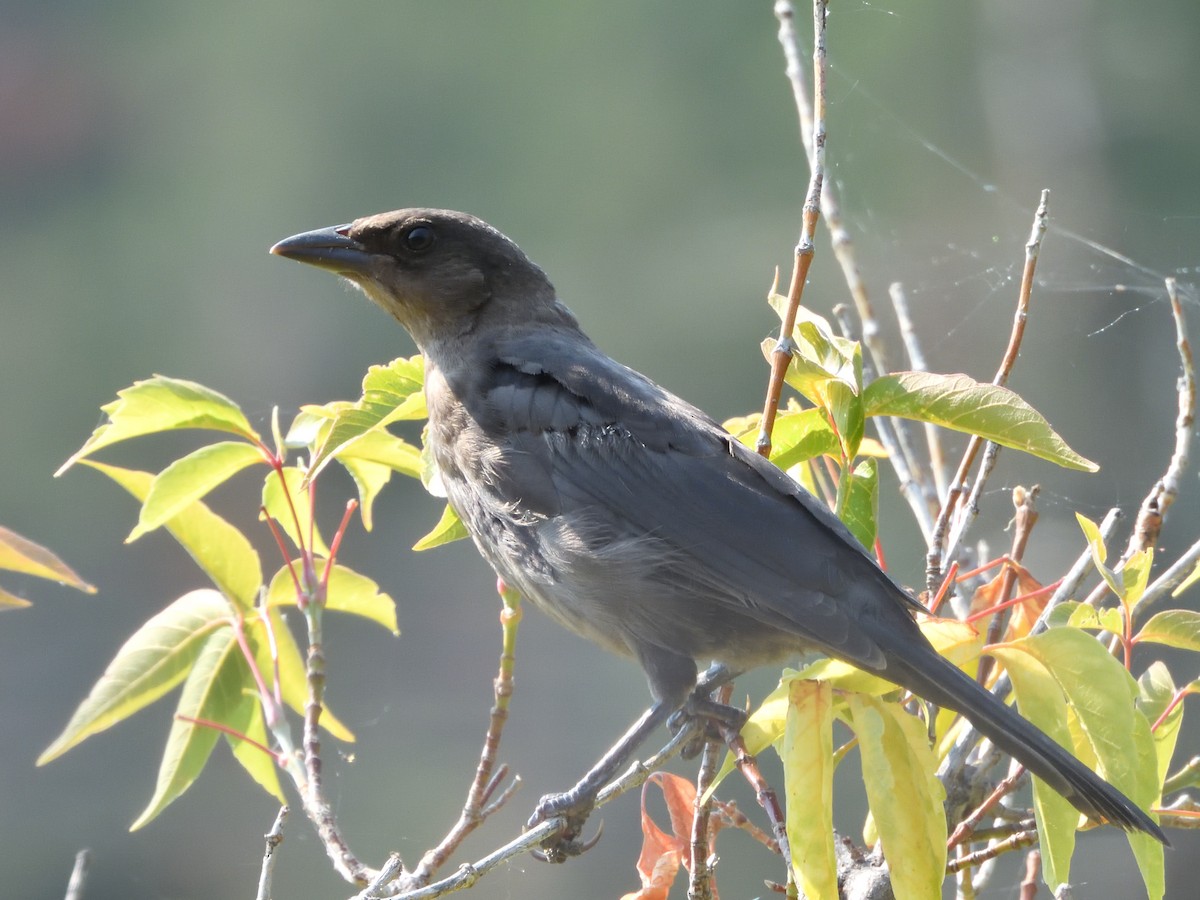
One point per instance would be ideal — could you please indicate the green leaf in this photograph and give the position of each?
(961, 403)
(861, 512)
(391, 393)
(1083, 616)
(163, 404)
(1112, 729)
(153, 661)
(212, 693)
(221, 551)
(288, 502)
(1156, 690)
(1175, 628)
(1091, 531)
(347, 592)
(19, 554)
(246, 719)
(1041, 701)
(448, 529)
(189, 479)
(799, 436)
(1135, 575)
(808, 783)
(900, 773)
(371, 459)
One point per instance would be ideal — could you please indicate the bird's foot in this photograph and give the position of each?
(568, 842)
(716, 718)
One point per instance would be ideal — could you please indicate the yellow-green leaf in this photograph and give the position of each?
(448, 529)
(246, 719)
(1102, 695)
(905, 795)
(288, 502)
(808, 784)
(1042, 702)
(348, 592)
(1156, 690)
(961, 403)
(1175, 628)
(800, 435)
(861, 512)
(1135, 575)
(389, 394)
(19, 554)
(219, 549)
(190, 478)
(212, 693)
(163, 404)
(154, 660)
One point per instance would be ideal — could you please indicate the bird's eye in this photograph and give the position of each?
(419, 238)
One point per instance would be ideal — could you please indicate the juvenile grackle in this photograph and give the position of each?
(630, 516)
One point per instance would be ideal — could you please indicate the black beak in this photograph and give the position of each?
(326, 248)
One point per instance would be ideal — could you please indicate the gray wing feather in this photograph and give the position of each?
(739, 534)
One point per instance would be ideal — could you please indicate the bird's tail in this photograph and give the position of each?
(948, 686)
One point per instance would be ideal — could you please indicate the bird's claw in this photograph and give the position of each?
(567, 843)
(712, 716)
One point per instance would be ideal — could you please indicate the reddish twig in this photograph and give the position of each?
(782, 354)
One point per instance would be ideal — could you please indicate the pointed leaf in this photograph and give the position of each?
(1156, 691)
(448, 529)
(961, 403)
(390, 393)
(1101, 694)
(348, 592)
(154, 660)
(1041, 701)
(219, 549)
(808, 783)
(190, 478)
(369, 479)
(246, 719)
(384, 448)
(163, 404)
(800, 436)
(19, 554)
(900, 773)
(1175, 628)
(1091, 531)
(862, 506)
(12, 601)
(289, 503)
(1135, 575)
(212, 693)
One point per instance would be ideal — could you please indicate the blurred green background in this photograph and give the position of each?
(646, 155)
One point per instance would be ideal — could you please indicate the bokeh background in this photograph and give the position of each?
(647, 156)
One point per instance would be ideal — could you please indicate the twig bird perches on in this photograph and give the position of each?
(630, 516)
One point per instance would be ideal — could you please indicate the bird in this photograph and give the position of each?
(630, 516)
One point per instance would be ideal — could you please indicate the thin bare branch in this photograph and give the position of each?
(939, 550)
(782, 355)
(916, 361)
(991, 851)
(272, 839)
(700, 873)
(78, 880)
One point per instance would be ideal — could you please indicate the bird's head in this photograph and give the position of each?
(440, 273)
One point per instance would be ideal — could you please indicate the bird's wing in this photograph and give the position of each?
(616, 446)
